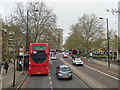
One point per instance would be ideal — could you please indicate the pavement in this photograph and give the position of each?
(7, 79)
(105, 64)
(113, 67)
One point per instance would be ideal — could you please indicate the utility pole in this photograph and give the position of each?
(27, 34)
(107, 41)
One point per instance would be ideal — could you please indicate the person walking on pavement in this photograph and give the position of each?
(6, 67)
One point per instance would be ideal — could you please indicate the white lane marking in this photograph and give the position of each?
(102, 73)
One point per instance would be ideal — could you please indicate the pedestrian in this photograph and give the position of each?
(90, 56)
(6, 67)
(20, 65)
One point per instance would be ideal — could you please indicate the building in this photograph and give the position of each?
(60, 38)
(3, 45)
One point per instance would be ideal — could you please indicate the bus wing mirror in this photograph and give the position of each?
(56, 67)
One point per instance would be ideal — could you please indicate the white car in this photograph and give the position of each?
(77, 61)
(53, 57)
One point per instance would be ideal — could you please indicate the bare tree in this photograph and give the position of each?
(39, 21)
(89, 31)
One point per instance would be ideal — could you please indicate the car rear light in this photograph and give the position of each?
(59, 73)
(71, 72)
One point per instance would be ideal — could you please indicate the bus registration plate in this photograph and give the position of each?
(38, 72)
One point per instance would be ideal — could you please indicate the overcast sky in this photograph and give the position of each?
(68, 11)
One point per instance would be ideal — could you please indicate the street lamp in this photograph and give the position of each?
(27, 31)
(107, 39)
(27, 34)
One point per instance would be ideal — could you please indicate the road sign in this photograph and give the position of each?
(21, 53)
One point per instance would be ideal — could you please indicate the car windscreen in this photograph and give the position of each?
(53, 56)
(77, 59)
(38, 57)
(64, 69)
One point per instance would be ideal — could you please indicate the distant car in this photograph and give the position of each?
(63, 71)
(65, 56)
(74, 56)
(77, 61)
(53, 57)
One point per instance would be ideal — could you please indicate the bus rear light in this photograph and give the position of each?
(47, 67)
(29, 62)
(31, 51)
(29, 67)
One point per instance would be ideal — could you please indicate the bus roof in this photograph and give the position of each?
(38, 43)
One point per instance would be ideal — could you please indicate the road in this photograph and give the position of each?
(51, 81)
(101, 78)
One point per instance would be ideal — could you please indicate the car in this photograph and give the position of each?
(65, 56)
(74, 56)
(63, 71)
(53, 57)
(77, 61)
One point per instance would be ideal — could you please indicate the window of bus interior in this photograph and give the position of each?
(38, 47)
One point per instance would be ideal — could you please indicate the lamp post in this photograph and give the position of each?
(27, 31)
(27, 34)
(107, 40)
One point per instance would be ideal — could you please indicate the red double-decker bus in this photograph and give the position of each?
(71, 52)
(38, 58)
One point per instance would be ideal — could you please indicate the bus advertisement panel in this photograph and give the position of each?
(38, 58)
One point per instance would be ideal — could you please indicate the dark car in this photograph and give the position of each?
(74, 56)
(63, 71)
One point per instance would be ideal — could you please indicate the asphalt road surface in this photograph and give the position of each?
(51, 81)
(103, 79)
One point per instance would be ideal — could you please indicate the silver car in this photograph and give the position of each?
(63, 71)
(53, 57)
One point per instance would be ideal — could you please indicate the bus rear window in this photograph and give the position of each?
(39, 48)
(38, 58)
